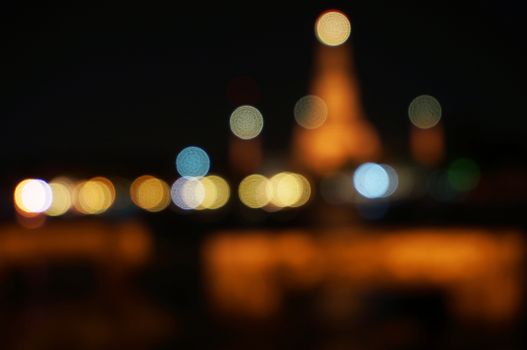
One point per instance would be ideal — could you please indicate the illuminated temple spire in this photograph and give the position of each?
(346, 136)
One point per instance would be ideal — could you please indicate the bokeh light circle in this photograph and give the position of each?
(246, 122)
(424, 111)
(333, 28)
(310, 112)
(217, 192)
(62, 197)
(94, 196)
(255, 191)
(371, 180)
(393, 180)
(150, 193)
(289, 190)
(305, 191)
(192, 161)
(286, 189)
(33, 196)
(187, 193)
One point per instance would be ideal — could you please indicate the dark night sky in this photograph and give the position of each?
(155, 78)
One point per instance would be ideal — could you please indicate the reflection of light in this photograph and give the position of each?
(246, 122)
(255, 191)
(192, 162)
(250, 273)
(33, 196)
(463, 174)
(333, 28)
(217, 192)
(150, 193)
(424, 111)
(30, 220)
(371, 180)
(187, 193)
(94, 196)
(310, 112)
(62, 201)
(289, 190)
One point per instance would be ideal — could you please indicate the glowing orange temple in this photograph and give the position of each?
(346, 135)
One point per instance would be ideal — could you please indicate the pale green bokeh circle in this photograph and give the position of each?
(424, 111)
(310, 112)
(246, 122)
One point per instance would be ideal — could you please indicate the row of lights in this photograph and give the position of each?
(97, 195)
(210, 192)
(283, 190)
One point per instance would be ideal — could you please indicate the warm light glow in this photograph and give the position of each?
(246, 122)
(371, 180)
(346, 135)
(94, 196)
(150, 193)
(217, 192)
(310, 112)
(62, 197)
(123, 243)
(255, 191)
(424, 111)
(187, 193)
(251, 273)
(333, 28)
(428, 145)
(33, 196)
(289, 190)
(31, 221)
(245, 156)
(193, 162)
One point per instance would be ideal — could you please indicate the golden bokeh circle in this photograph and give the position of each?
(255, 191)
(150, 193)
(94, 196)
(333, 28)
